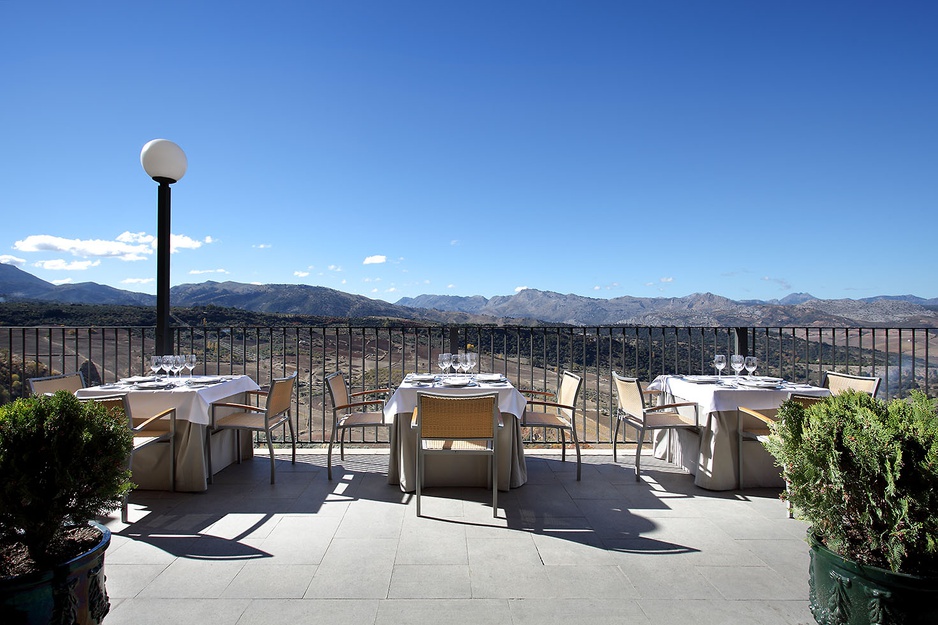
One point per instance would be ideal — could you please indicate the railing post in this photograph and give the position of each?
(453, 340)
(742, 341)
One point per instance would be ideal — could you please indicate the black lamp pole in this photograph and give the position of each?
(164, 338)
(165, 162)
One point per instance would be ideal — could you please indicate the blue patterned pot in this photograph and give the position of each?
(72, 592)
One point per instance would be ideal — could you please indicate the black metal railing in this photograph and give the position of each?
(532, 357)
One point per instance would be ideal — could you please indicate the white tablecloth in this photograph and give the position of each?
(711, 456)
(461, 470)
(192, 403)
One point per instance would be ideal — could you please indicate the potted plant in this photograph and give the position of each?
(63, 462)
(864, 474)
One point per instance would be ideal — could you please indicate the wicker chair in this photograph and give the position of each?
(754, 426)
(345, 415)
(275, 412)
(70, 382)
(557, 411)
(159, 428)
(633, 410)
(455, 425)
(840, 382)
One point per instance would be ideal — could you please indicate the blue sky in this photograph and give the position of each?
(393, 148)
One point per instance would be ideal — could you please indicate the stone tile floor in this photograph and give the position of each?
(607, 549)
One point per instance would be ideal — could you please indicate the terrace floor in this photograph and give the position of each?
(607, 549)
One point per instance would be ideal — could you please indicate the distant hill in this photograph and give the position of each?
(525, 307)
(699, 309)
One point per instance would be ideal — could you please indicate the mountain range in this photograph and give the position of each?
(525, 307)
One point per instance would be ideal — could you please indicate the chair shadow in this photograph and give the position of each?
(608, 517)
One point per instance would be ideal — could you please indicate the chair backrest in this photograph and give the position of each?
(70, 382)
(458, 417)
(338, 389)
(280, 395)
(114, 403)
(840, 382)
(806, 400)
(629, 395)
(570, 385)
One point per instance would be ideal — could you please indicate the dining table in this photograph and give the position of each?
(711, 453)
(192, 397)
(456, 470)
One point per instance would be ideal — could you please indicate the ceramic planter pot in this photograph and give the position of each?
(844, 593)
(72, 592)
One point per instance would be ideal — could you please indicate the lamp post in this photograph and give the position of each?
(165, 162)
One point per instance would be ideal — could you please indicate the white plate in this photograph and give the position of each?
(137, 379)
(702, 379)
(455, 381)
(153, 386)
(490, 377)
(421, 377)
(757, 384)
(765, 378)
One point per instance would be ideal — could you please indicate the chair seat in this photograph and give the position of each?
(662, 420)
(457, 445)
(143, 441)
(242, 420)
(544, 419)
(359, 419)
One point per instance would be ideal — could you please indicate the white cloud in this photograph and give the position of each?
(62, 281)
(127, 246)
(197, 272)
(597, 288)
(6, 259)
(300, 274)
(450, 286)
(343, 281)
(454, 242)
(666, 279)
(391, 290)
(262, 246)
(377, 259)
(61, 265)
(518, 289)
(182, 242)
(334, 268)
(138, 280)
(209, 240)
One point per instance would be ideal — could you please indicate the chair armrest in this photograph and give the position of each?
(679, 405)
(359, 403)
(668, 406)
(375, 391)
(157, 417)
(550, 404)
(240, 406)
(758, 415)
(542, 393)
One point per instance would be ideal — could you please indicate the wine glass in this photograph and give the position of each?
(455, 363)
(471, 359)
(190, 363)
(167, 363)
(737, 361)
(156, 364)
(719, 361)
(179, 363)
(444, 361)
(751, 363)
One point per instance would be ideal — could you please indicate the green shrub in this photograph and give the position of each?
(864, 474)
(63, 462)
